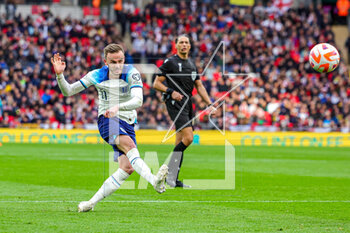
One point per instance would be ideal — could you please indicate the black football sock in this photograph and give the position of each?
(181, 147)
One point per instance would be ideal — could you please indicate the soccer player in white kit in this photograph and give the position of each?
(119, 89)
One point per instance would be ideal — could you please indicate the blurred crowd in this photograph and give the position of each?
(264, 44)
(263, 73)
(28, 86)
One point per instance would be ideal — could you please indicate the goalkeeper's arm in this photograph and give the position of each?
(158, 85)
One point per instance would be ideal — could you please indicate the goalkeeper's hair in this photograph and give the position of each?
(183, 35)
(112, 48)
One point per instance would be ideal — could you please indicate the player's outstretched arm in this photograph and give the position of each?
(58, 65)
(66, 88)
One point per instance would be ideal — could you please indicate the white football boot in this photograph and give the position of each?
(85, 206)
(159, 184)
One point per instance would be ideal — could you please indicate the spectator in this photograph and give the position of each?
(343, 7)
(11, 8)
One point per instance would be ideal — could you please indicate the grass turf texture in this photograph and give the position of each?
(292, 189)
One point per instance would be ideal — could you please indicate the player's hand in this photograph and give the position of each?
(212, 110)
(176, 96)
(112, 112)
(58, 65)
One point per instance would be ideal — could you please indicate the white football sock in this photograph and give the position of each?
(110, 185)
(140, 166)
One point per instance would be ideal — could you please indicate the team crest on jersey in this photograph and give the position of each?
(136, 77)
(194, 75)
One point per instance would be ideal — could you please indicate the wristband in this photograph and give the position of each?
(169, 91)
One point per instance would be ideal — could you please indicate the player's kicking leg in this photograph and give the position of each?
(127, 164)
(110, 185)
(127, 145)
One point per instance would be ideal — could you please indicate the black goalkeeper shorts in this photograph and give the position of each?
(181, 118)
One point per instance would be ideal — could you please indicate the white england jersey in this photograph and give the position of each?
(112, 92)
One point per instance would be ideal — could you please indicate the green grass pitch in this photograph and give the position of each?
(290, 189)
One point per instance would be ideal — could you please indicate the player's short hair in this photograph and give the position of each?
(112, 48)
(182, 35)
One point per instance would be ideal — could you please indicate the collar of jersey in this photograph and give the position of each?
(181, 58)
(125, 73)
(102, 74)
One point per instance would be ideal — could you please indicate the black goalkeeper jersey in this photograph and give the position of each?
(182, 74)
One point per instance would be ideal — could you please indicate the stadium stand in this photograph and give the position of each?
(284, 92)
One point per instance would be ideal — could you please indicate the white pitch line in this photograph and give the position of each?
(174, 201)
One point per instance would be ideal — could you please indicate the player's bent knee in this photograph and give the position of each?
(126, 144)
(129, 146)
(188, 140)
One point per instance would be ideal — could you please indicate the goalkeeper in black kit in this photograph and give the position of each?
(180, 74)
